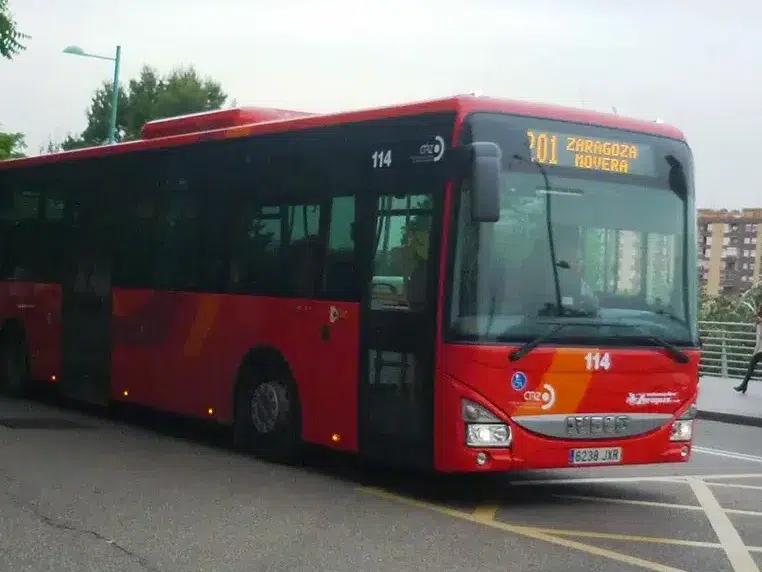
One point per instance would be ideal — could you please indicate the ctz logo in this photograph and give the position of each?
(546, 396)
(431, 151)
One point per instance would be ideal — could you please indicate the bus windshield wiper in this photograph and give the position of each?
(520, 352)
(549, 229)
(672, 350)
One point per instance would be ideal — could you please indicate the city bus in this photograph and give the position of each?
(466, 284)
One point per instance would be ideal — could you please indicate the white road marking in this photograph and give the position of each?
(604, 480)
(734, 485)
(743, 512)
(631, 502)
(734, 547)
(599, 480)
(728, 454)
(657, 504)
(728, 476)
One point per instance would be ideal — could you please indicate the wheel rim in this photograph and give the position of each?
(265, 407)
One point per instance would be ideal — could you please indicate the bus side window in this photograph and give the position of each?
(52, 235)
(20, 239)
(304, 251)
(177, 264)
(341, 280)
(136, 242)
(256, 243)
(402, 251)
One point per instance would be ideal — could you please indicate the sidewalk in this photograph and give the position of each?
(719, 402)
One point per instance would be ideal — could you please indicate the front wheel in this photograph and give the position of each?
(267, 421)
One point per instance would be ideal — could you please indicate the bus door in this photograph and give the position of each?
(397, 329)
(86, 299)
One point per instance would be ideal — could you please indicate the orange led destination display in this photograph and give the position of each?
(591, 153)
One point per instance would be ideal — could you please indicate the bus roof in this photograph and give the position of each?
(244, 121)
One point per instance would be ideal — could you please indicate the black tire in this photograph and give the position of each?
(14, 366)
(272, 432)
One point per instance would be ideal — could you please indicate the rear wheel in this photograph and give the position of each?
(14, 366)
(267, 416)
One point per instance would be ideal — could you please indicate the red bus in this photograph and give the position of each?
(465, 284)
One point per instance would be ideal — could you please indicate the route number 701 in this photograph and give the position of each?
(595, 361)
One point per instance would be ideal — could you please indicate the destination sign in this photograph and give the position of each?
(597, 154)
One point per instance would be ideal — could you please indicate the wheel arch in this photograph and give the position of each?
(259, 359)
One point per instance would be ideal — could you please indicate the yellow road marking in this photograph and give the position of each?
(528, 532)
(630, 538)
(486, 512)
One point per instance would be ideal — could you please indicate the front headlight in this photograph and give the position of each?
(682, 427)
(488, 435)
(484, 429)
(682, 430)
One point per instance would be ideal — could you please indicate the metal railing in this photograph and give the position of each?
(726, 348)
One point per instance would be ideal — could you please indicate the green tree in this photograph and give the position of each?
(146, 98)
(11, 145)
(724, 308)
(49, 147)
(10, 37)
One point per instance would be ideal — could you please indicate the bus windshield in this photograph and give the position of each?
(610, 254)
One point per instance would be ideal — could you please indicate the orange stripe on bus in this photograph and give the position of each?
(206, 315)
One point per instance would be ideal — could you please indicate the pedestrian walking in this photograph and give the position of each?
(756, 356)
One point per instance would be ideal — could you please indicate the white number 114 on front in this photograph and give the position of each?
(596, 360)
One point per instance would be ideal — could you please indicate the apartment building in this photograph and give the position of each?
(728, 249)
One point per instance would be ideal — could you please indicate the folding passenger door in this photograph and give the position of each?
(399, 235)
(398, 329)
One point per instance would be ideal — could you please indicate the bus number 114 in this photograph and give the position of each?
(382, 158)
(595, 361)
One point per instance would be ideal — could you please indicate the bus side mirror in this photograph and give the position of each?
(484, 181)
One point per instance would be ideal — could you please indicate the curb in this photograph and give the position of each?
(730, 418)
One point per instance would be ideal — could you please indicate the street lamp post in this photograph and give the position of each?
(77, 51)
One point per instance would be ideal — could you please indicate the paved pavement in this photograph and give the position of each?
(87, 493)
(719, 402)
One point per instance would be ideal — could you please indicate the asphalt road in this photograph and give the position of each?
(104, 495)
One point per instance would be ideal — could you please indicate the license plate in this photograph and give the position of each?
(595, 456)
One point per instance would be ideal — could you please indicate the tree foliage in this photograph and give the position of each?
(11, 145)
(724, 308)
(148, 97)
(10, 37)
(50, 147)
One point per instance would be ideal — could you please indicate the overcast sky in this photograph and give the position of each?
(693, 63)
